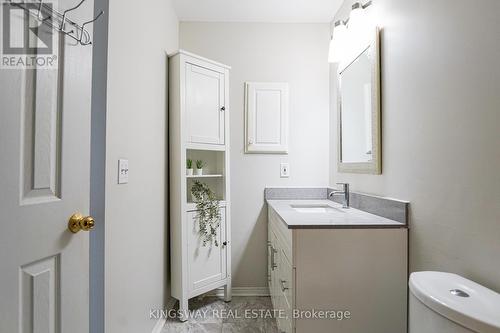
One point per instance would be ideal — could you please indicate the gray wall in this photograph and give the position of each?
(294, 53)
(136, 250)
(440, 131)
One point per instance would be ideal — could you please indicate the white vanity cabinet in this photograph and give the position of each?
(360, 270)
(281, 272)
(198, 128)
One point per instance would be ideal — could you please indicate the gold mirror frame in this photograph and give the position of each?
(375, 165)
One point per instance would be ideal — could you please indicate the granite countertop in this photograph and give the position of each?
(327, 214)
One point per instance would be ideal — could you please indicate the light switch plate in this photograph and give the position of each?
(122, 171)
(284, 170)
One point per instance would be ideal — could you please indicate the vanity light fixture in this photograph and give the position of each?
(348, 33)
(337, 42)
(356, 20)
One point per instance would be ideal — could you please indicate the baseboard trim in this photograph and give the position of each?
(242, 291)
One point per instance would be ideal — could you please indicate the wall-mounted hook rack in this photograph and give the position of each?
(88, 22)
(57, 21)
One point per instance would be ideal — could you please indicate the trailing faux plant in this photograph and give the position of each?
(189, 163)
(208, 213)
(200, 164)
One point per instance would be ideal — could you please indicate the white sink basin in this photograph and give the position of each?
(320, 208)
(321, 213)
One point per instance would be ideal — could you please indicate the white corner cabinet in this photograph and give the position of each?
(363, 271)
(198, 130)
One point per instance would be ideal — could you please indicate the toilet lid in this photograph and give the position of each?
(458, 299)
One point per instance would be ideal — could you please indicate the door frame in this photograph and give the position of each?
(98, 168)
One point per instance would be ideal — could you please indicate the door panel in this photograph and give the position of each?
(207, 264)
(44, 179)
(41, 134)
(39, 295)
(204, 102)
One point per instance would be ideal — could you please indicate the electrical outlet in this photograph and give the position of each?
(284, 170)
(122, 171)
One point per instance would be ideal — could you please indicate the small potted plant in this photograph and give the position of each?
(189, 167)
(199, 167)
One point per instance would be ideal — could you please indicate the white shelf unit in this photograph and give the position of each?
(199, 130)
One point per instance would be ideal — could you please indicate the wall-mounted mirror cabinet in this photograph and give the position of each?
(358, 109)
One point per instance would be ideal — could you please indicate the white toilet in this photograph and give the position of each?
(448, 303)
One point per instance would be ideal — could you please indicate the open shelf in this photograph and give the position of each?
(192, 206)
(214, 172)
(216, 184)
(203, 176)
(213, 160)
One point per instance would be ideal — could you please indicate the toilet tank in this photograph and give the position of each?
(448, 303)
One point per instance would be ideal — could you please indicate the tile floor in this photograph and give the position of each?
(221, 317)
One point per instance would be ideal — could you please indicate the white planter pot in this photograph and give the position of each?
(199, 172)
(189, 172)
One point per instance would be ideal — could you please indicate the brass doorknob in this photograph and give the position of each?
(78, 222)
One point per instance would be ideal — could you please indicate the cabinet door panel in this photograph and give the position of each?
(273, 284)
(207, 264)
(204, 105)
(286, 279)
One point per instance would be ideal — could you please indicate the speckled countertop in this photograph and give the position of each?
(325, 214)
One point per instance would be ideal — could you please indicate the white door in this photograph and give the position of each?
(204, 105)
(207, 264)
(44, 179)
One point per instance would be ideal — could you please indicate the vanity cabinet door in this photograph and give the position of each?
(275, 290)
(286, 291)
(269, 259)
(207, 264)
(272, 273)
(205, 105)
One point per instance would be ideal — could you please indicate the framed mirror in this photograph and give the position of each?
(358, 111)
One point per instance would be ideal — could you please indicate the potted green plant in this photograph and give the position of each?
(199, 167)
(189, 167)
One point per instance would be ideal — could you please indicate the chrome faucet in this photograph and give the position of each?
(345, 193)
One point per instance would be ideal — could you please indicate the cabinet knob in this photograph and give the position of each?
(225, 243)
(273, 260)
(223, 108)
(283, 287)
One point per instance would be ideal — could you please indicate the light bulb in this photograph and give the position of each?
(337, 43)
(356, 20)
(359, 28)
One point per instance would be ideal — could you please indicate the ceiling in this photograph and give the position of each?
(257, 10)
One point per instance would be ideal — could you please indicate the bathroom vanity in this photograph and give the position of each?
(324, 260)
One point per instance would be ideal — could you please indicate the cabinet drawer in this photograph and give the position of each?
(283, 234)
